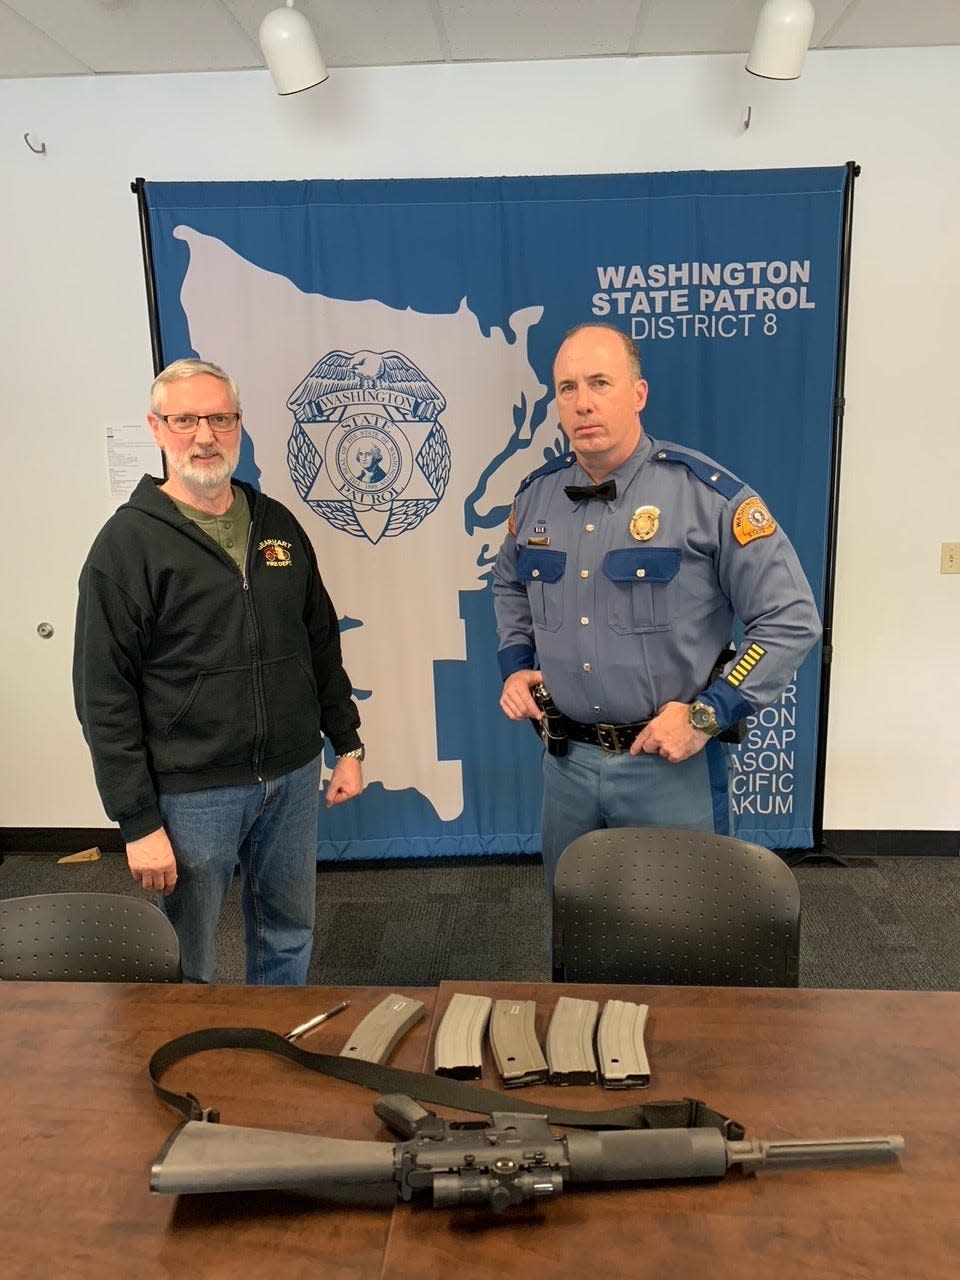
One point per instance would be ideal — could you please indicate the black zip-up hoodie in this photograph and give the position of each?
(188, 674)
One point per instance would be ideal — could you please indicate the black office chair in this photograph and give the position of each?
(86, 937)
(676, 907)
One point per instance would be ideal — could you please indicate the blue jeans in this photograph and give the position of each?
(270, 828)
(586, 790)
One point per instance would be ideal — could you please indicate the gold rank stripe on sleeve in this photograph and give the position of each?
(743, 666)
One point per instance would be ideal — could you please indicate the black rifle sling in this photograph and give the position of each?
(688, 1113)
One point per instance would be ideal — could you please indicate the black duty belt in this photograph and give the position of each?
(613, 738)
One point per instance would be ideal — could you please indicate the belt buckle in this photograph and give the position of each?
(609, 739)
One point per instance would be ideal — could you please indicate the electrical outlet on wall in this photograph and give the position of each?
(950, 557)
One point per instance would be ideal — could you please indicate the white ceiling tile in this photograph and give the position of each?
(26, 51)
(144, 35)
(505, 30)
(695, 26)
(358, 33)
(889, 23)
(713, 26)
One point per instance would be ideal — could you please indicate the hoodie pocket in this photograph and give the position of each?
(215, 723)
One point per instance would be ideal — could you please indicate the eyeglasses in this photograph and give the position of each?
(185, 423)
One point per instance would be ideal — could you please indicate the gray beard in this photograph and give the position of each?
(206, 477)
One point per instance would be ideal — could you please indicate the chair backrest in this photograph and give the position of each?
(674, 907)
(86, 937)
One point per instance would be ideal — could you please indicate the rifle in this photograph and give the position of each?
(513, 1159)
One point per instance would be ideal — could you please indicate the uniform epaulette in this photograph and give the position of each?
(555, 464)
(724, 483)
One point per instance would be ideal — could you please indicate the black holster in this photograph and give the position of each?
(552, 726)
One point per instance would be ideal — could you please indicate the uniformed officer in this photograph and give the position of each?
(625, 564)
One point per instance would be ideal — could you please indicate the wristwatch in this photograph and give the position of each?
(357, 753)
(704, 718)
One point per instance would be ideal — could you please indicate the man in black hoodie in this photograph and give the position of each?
(207, 672)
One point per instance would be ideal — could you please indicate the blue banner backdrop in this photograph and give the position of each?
(393, 343)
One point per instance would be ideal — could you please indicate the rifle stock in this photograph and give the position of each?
(199, 1157)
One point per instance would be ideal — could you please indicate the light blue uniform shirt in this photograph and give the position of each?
(620, 624)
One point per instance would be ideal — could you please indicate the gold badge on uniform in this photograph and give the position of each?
(752, 520)
(644, 523)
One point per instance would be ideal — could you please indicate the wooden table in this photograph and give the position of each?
(83, 1126)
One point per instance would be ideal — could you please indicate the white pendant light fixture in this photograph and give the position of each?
(781, 40)
(291, 51)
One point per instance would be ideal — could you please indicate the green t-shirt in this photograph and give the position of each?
(230, 531)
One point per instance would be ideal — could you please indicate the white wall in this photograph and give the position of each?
(75, 356)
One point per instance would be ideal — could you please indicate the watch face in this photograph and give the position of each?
(703, 717)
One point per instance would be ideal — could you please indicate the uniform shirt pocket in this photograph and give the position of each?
(642, 592)
(541, 572)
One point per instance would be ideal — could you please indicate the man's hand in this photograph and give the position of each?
(346, 780)
(152, 863)
(516, 701)
(670, 734)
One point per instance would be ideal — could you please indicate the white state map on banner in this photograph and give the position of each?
(389, 531)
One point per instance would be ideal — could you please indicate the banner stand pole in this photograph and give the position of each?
(819, 852)
(139, 189)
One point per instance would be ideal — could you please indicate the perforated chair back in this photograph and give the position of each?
(675, 907)
(86, 937)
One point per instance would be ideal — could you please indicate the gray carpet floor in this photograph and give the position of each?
(872, 923)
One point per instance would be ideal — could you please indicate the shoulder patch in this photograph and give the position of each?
(559, 463)
(752, 520)
(724, 483)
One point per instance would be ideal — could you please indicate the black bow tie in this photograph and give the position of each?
(607, 490)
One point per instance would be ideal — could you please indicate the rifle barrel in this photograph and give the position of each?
(813, 1152)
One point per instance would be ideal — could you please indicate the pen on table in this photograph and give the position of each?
(304, 1027)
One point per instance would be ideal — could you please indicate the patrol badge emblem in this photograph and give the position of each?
(368, 452)
(752, 520)
(644, 523)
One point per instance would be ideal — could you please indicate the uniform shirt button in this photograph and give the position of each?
(229, 542)
(584, 573)
(590, 528)
(641, 573)
(597, 710)
(586, 666)
(535, 573)
(584, 622)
